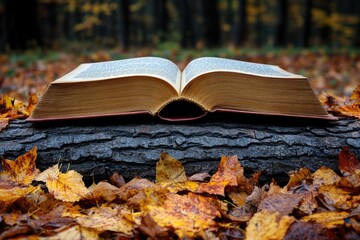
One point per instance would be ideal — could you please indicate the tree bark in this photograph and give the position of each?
(132, 147)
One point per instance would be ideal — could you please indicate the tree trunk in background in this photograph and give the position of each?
(240, 25)
(21, 23)
(187, 38)
(124, 23)
(307, 23)
(211, 23)
(281, 33)
(160, 19)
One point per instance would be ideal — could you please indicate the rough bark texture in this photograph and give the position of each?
(97, 148)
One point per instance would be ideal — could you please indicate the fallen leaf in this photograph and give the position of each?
(9, 195)
(102, 191)
(190, 215)
(22, 171)
(229, 170)
(73, 232)
(327, 219)
(281, 203)
(297, 177)
(266, 225)
(4, 121)
(68, 187)
(169, 170)
(339, 198)
(347, 162)
(325, 176)
(117, 180)
(150, 228)
(111, 217)
(309, 231)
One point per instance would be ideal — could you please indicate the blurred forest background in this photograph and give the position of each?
(54, 24)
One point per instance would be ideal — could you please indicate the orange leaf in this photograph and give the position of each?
(268, 226)
(22, 171)
(190, 215)
(4, 121)
(229, 170)
(297, 177)
(68, 187)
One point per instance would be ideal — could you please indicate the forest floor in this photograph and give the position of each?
(328, 71)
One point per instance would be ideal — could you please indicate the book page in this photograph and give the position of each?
(204, 65)
(142, 66)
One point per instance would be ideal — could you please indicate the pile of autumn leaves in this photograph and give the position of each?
(56, 205)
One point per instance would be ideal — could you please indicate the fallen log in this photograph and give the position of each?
(99, 147)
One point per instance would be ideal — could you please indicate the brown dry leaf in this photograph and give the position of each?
(339, 198)
(133, 187)
(149, 227)
(327, 219)
(309, 231)
(268, 226)
(297, 177)
(68, 187)
(281, 203)
(169, 170)
(325, 176)
(190, 215)
(308, 204)
(4, 121)
(74, 233)
(22, 171)
(106, 217)
(347, 162)
(102, 191)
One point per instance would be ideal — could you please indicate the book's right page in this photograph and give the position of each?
(205, 65)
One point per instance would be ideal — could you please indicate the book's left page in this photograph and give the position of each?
(143, 66)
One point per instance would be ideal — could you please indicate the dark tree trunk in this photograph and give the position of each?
(211, 23)
(132, 148)
(124, 23)
(307, 23)
(160, 19)
(281, 33)
(240, 30)
(21, 23)
(186, 24)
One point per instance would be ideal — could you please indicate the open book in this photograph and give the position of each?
(157, 86)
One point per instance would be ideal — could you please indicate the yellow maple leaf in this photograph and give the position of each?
(9, 195)
(68, 187)
(111, 217)
(339, 198)
(325, 176)
(22, 171)
(169, 170)
(266, 225)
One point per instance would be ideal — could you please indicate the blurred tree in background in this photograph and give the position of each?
(53, 24)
